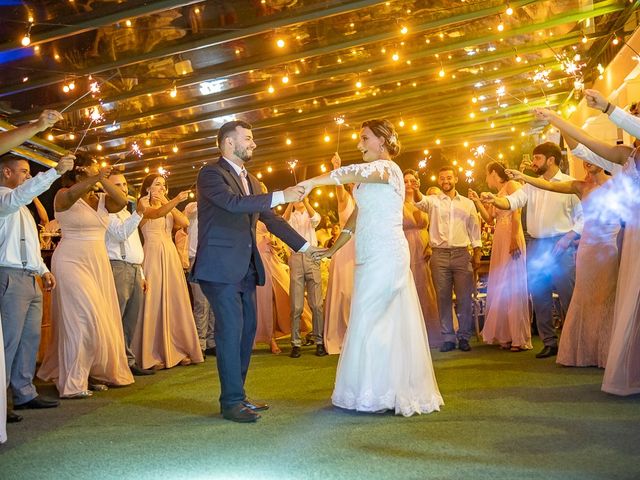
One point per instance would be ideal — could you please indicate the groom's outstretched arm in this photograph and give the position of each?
(281, 229)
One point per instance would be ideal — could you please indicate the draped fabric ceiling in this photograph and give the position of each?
(451, 74)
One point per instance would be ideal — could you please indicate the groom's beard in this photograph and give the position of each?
(244, 155)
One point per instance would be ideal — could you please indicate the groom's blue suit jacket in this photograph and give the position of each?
(227, 225)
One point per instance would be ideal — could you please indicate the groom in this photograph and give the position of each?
(227, 264)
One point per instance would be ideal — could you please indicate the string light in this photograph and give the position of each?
(175, 149)
(509, 10)
(269, 169)
(280, 43)
(147, 142)
(288, 141)
(270, 89)
(404, 30)
(615, 40)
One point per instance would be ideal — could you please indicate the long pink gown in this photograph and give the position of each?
(273, 297)
(622, 373)
(415, 224)
(88, 340)
(507, 311)
(166, 334)
(586, 333)
(337, 306)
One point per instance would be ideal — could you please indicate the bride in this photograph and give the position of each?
(385, 362)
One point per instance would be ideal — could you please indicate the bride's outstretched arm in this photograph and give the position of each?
(372, 172)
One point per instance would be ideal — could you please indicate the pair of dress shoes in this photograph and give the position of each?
(245, 411)
(37, 402)
(463, 345)
(320, 351)
(547, 351)
(138, 371)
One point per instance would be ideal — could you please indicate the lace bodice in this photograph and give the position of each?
(380, 205)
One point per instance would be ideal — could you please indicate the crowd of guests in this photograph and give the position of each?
(124, 307)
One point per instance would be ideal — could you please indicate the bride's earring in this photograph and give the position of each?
(381, 147)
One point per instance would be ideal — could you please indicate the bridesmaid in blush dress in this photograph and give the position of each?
(88, 340)
(167, 334)
(340, 286)
(507, 313)
(415, 224)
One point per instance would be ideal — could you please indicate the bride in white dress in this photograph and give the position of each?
(385, 362)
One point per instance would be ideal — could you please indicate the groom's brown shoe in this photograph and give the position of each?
(239, 413)
(255, 406)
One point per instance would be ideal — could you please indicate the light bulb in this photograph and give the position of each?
(395, 57)
(358, 84)
(438, 141)
(26, 40)
(146, 169)
(280, 43)
(401, 123)
(327, 138)
(500, 27)
(271, 89)
(509, 11)
(285, 79)
(441, 73)
(288, 141)
(269, 169)
(175, 149)
(50, 137)
(404, 30)
(99, 147)
(147, 142)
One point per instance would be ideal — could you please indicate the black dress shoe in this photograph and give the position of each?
(239, 413)
(139, 372)
(210, 351)
(447, 347)
(255, 406)
(320, 351)
(295, 352)
(38, 402)
(547, 351)
(463, 344)
(13, 417)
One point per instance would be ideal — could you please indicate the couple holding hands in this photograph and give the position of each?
(385, 364)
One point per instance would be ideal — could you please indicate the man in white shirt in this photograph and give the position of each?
(126, 255)
(20, 263)
(202, 311)
(303, 270)
(554, 223)
(453, 226)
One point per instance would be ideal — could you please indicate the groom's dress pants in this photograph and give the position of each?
(234, 307)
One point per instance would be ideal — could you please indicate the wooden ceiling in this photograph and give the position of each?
(171, 72)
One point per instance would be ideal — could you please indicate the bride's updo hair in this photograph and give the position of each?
(383, 128)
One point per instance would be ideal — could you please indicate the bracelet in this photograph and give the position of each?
(347, 231)
(607, 108)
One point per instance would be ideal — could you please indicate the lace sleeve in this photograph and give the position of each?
(396, 179)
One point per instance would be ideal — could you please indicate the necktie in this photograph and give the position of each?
(243, 178)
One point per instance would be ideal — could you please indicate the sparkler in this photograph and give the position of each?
(292, 166)
(94, 88)
(339, 121)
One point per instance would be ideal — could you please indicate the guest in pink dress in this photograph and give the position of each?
(622, 371)
(167, 334)
(88, 340)
(340, 284)
(415, 224)
(507, 313)
(586, 333)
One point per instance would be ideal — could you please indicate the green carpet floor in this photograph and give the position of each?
(506, 416)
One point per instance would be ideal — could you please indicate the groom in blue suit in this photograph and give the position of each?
(228, 266)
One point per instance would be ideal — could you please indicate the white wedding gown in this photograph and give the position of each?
(385, 362)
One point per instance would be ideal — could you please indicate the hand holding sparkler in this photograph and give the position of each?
(596, 100)
(514, 174)
(47, 119)
(65, 164)
(544, 114)
(336, 161)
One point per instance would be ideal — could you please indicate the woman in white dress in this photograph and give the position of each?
(385, 362)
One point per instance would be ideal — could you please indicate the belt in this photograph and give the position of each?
(128, 263)
(26, 271)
